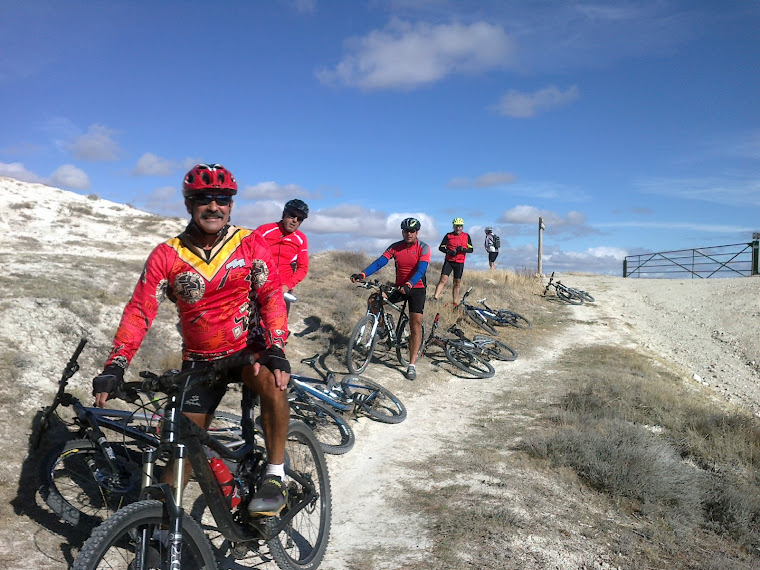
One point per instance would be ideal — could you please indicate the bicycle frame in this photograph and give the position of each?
(394, 333)
(183, 440)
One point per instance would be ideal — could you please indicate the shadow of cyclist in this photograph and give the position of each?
(27, 502)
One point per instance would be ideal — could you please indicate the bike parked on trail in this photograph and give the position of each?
(155, 532)
(567, 294)
(487, 318)
(378, 324)
(460, 351)
(90, 476)
(354, 393)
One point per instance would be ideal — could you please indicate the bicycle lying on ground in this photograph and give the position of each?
(378, 324)
(461, 352)
(155, 532)
(354, 393)
(486, 317)
(567, 294)
(86, 479)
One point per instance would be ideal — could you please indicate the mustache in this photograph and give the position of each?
(212, 215)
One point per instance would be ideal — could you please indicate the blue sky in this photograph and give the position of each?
(630, 127)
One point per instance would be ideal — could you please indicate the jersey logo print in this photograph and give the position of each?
(190, 287)
(229, 267)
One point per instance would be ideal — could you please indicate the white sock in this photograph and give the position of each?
(276, 469)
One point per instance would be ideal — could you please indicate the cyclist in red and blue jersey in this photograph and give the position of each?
(455, 244)
(228, 294)
(412, 258)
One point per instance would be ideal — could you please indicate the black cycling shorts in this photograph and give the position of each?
(415, 298)
(449, 266)
(203, 398)
(492, 255)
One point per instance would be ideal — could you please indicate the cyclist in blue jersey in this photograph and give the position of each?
(412, 257)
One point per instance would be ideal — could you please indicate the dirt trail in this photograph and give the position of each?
(708, 327)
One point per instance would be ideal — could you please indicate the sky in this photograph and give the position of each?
(628, 127)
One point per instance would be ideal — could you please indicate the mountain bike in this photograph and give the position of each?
(378, 324)
(326, 421)
(460, 351)
(486, 317)
(354, 393)
(86, 479)
(567, 294)
(155, 532)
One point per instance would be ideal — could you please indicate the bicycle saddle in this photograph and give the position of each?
(311, 361)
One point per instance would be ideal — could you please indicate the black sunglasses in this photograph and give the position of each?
(206, 199)
(299, 217)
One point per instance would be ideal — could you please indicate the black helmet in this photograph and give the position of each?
(298, 206)
(411, 224)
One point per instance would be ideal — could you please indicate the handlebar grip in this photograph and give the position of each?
(243, 360)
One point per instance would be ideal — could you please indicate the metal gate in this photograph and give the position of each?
(734, 260)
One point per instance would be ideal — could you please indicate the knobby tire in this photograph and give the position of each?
(114, 543)
(79, 485)
(402, 348)
(302, 544)
(361, 345)
(569, 296)
(377, 402)
(465, 359)
(495, 349)
(479, 319)
(330, 428)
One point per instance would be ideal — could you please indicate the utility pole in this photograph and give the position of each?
(541, 228)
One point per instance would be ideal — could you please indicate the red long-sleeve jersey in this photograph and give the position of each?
(290, 251)
(225, 298)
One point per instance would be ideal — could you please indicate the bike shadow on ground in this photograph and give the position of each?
(67, 539)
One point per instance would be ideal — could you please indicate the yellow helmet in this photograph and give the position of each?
(457, 222)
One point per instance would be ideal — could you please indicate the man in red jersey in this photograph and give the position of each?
(229, 299)
(455, 244)
(288, 245)
(412, 258)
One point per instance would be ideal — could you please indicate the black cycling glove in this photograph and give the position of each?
(109, 380)
(357, 277)
(461, 249)
(274, 359)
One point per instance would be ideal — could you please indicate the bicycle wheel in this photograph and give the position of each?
(361, 344)
(402, 347)
(332, 431)
(80, 486)
(494, 349)
(374, 400)
(505, 317)
(225, 427)
(477, 316)
(303, 542)
(583, 295)
(117, 542)
(462, 356)
(569, 296)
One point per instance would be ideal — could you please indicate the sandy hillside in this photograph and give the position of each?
(67, 255)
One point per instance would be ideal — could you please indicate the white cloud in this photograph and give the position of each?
(16, 170)
(487, 180)
(97, 145)
(273, 191)
(735, 191)
(406, 55)
(69, 176)
(524, 105)
(151, 165)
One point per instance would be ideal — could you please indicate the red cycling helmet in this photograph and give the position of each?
(203, 177)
